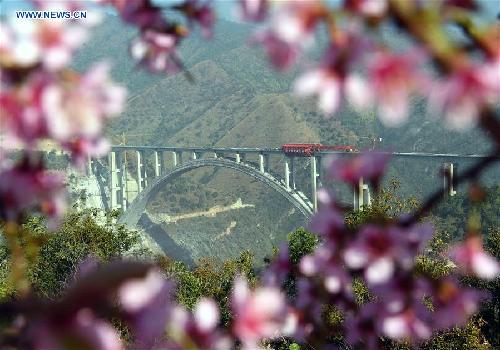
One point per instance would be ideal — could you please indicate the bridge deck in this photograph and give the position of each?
(280, 151)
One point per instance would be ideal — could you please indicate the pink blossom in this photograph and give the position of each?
(141, 13)
(460, 97)
(198, 328)
(465, 4)
(404, 287)
(290, 31)
(51, 43)
(28, 187)
(199, 12)
(71, 109)
(369, 166)
(156, 50)
(147, 303)
(84, 329)
(296, 21)
(324, 83)
(258, 314)
(279, 268)
(82, 149)
(453, 303)
(393, 78)
(411, 324)
(329, 220)
(22, 116)
(377, 250)
(281, 53)
(253, 10)
(332, 80)
(80, 108)
(309, 300)
(471, 258)
(363, 327)
(368, 8)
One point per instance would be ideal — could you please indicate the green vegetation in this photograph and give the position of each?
(86, 233)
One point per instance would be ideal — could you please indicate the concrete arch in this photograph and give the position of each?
(133, 213)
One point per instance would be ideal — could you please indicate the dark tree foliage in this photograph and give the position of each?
(83, 233)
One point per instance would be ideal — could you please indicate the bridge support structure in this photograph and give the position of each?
(158, 163)
(314, 182)
(139, 175)
(287, 173)
(360, 192)
(114, 177)
(448, 179)
(123, 180)
(122, 188)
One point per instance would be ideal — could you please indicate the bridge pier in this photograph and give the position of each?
(319, 168)
(114, 187)
(194, 156)
(138, 155)
(89, 166)
(238, 158)
(158, 164)
(314, 183)
(261, 163)
(448, 179)
(175, 159)
(144, 170)
(287, 173)
(359, 195)
(123, 180)
(292, 171)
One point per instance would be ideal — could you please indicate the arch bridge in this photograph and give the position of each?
(131, 192)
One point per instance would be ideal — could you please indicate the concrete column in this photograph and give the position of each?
(287, 173)
(319, 169)
(123, 182)
(89, 166)
(163, 163)
(144, 172)
(452, 191)
(359, 199)
(368, 196)
(113, 177)
(194, 156)
(448, 179)
(238, 158)
(261, 163)
(157, 163)
(139, 171)
(175, 159)
(292, 170)
(314, 183)
(119, 178)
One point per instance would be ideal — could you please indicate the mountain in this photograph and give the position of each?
(236, 99)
